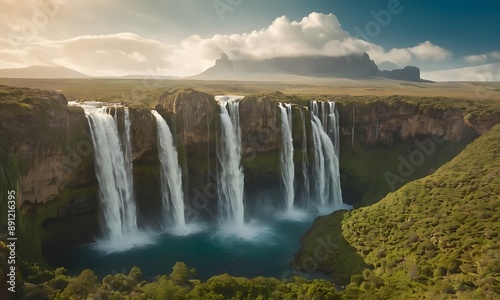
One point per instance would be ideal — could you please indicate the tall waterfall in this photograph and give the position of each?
(113, 165)
(230, 175)
(305, 162)
(287, 164)
(171, 176)
(353, 125)
(326, 163)
(333, 126)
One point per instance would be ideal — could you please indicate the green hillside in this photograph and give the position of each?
(435, 238)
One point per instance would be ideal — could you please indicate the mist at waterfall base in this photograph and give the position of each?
(209, 251)
(261, 246)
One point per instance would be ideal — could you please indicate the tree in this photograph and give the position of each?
(81, 286)
(181, 274)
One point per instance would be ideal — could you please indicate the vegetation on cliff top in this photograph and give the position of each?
(434, 238)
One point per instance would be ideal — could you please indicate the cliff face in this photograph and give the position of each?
(193, 119)
(49, 139)
(390, 124)
(46, 156)
(260, 125)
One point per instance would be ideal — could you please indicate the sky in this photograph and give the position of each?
(184, 37)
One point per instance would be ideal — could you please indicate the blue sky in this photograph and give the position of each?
(182, 37)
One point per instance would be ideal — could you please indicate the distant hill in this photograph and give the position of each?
(355, 66)
(41, 72)
(436, 237)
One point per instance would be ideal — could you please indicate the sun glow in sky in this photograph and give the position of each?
(184, 37)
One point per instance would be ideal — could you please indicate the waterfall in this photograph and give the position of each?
(353, 125)
(319, 160)
(171, 176)
(113, 165)
(333, 126)
(287, 164)
(326, 162)
(230, 177)
(305, 162)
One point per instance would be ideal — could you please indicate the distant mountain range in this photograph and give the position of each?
(355, 66)
(41, 72)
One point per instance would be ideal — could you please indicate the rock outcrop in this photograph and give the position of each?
(409, 73)
(223, 68)
(193, 119)
(390, 124)
(48, 139)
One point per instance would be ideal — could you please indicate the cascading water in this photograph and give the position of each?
(319, 161)
(287, 165)
(171, 176)
(326, 162)
(230, 177)
(353, 125)
(305, 162)
(333, 126)
(113, 165)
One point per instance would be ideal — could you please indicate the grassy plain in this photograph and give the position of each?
(145, 90)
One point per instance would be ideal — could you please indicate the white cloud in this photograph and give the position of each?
(122, 53)
(494, 55)
(115, 54)
(481, 58)
(489, 72)
(424, 52)
(429, 53)
(476, 58)
(313, 35)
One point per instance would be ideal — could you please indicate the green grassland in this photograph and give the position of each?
(435, 238)
(146, 89)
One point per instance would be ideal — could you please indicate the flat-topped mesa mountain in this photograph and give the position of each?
(354, 66)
